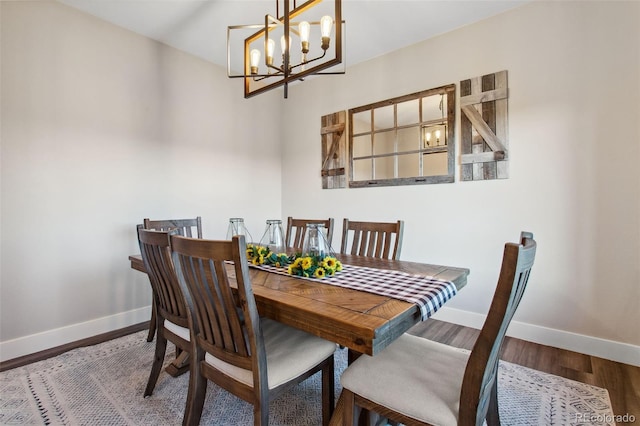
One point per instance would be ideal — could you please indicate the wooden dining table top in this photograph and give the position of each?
(363, 322)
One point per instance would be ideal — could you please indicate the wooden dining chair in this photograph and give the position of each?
(253, 358)
(297, 229)
(171, 312)
(189, 228)
(416, 381)
(372, 239)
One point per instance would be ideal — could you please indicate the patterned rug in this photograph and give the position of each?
(104, 384)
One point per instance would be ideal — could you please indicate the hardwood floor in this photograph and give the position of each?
(621, 380)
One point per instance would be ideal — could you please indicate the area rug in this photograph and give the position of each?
(104, 384)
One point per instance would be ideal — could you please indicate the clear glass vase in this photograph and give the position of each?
(273, 236)
(315, 241)
(237, 227)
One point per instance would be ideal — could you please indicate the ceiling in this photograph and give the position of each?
(373, 27)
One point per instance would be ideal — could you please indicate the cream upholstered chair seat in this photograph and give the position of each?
(290, 352)
(420, 379)
(177, 330)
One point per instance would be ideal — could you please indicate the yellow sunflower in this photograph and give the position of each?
(329, 263)
(319, 273)
(306, 263)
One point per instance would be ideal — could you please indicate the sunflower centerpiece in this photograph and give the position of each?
(315, 261)
(262, 255)
(314, 266)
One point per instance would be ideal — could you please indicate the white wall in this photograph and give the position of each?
(101, 128)
(574, 103)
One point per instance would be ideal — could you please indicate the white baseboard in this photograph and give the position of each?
(26, 345)
(615, 351)
(594, 346)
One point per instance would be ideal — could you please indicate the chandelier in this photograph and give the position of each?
(310, 38)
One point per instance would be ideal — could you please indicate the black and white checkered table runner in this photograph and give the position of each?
(427, 292)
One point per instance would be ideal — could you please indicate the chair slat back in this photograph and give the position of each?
(191, 228)
(297, 230)
(481, 372)
(225, 325)
(372, 239)
(156, 255)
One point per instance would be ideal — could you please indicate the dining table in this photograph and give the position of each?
(365, 322)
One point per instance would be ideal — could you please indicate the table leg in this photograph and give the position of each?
(180, 365)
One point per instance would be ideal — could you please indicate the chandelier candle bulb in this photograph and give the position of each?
(271, 46)
(325, 29)
(283, 45)
(255, 61)
(305, 29)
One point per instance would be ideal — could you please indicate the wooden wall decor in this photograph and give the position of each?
(334, 150)
(483, 127)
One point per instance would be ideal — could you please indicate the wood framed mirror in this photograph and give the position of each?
(408, 140)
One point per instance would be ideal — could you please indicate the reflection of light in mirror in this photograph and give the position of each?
(437, 131)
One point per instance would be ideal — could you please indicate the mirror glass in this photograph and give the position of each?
(383, 118)
(362, 169)
(361, 145)
(408, 112)
(384, 142)
(361, 122)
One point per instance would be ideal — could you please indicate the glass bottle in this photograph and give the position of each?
(273, 236)
(236, 227)
(315, 241)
